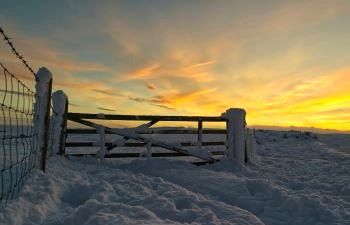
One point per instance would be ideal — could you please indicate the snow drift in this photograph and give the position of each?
(296, 180)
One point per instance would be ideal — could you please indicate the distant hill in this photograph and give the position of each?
(311, 129)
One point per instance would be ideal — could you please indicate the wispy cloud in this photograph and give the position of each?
(74, 105)
(108, 92)
(105, 109)
(151, 101)
(199, 65)
(176, 100)
(144, 72)
(150, 86)
(199, 72)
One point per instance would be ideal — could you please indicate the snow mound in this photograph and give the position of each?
(75, 192)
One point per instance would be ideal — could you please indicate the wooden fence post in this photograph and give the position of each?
(59, 122)
(149, 150)
(250, 148)
(101, 153)
(200, 133)
(42, 115)
(235, 134)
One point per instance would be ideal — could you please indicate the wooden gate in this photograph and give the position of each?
(138, 134)
(239, 144)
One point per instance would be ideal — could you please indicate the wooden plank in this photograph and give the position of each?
(72, 116)
(152, 131)
(202, 163)
(132, 135)
(137, 154)
(149, 124)
(134, 144)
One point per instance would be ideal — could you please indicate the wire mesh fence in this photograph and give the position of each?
(18, 134)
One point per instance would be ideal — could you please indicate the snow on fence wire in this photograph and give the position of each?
(23, 125)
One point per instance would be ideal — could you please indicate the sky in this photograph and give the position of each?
(287, 63)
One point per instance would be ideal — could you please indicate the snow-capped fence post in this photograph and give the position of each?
(59, 122)
(42, 115)
(235, 124)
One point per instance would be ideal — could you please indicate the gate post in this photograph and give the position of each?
(235, 134)
(101, 153)
(149, 150)
(250, 146)
(43, 89)
(200, 133)
(59, 122)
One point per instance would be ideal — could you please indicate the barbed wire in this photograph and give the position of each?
(7, 39)
(21, 58)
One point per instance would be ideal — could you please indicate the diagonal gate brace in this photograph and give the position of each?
(122, 140)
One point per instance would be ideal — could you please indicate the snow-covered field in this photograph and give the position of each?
(295, 181)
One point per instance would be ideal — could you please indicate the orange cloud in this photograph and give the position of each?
(199, 65)
(191, 101)
(199, 72)
(143, 72)
(181, 98)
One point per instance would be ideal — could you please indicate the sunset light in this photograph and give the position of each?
(285, 62)
(175, 112)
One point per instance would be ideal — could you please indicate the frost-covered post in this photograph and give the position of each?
(59, 122)
(101, 153)
(250, 146)
(149, 150)
(235, 134)
(42, 114)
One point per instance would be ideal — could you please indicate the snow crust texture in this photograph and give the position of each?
(297, 180)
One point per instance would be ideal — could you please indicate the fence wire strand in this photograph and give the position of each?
(8, 41)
